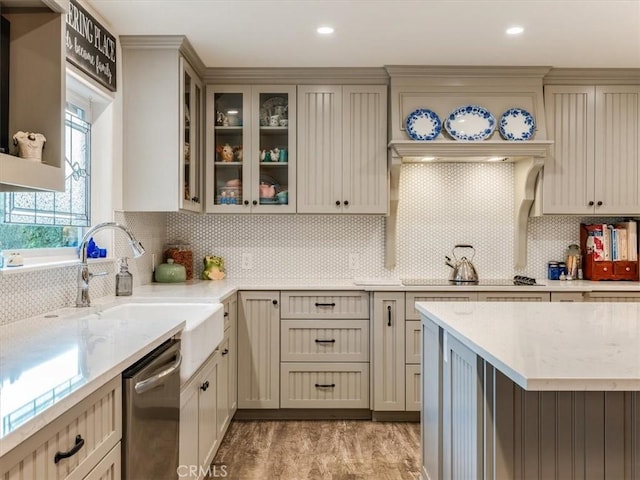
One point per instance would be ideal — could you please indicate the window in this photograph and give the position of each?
(53, 219)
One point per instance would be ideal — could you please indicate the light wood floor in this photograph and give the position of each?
(319, 449)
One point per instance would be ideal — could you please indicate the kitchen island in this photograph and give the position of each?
(530, 390)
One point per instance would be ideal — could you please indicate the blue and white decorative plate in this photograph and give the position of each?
(470, 122)
(516, 124)
(423, 124)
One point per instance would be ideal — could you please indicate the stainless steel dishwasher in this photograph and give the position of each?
(151, 415)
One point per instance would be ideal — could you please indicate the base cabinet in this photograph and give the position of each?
(198, 416)
(259, 342)
(97, 420)
(208, 401)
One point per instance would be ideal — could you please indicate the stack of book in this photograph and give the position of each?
(613, 242)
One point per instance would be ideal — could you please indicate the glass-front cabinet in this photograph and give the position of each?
(251, 153)
(191, 140)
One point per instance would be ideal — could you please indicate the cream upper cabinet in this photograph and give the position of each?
(251, 149)
(594, 168)
(342, 149)
(162, 117)
(36, 97)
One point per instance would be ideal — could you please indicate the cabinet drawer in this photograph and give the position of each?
(514, 297)
(413, 297)
(412, 339)
(97, 420)
(413, 388)
(324, 305)
(625, 270)
(324, 385)
(324, 340)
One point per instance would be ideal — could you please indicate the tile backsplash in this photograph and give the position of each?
(440, 205)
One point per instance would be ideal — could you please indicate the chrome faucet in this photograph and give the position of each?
(84, 276)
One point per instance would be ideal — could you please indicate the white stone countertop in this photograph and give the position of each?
(549, 346)
(60, 358)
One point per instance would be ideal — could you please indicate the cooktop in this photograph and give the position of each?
(518, 280)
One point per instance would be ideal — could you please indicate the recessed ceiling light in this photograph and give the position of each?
(515, 30)
(325, 30)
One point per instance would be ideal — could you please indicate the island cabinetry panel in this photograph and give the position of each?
(259, 342)
(389, 372)
(324, 349)
(37, 89)
(342, 149)
(478, 423)
(594, 168)
(90, 429)
(163, 111)
(109, 467)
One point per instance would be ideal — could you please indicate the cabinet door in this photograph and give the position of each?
(273, 153)
(462, 422)
(223, 416)
(569, 176)
(259, 342)
(231, 306)
(191, 113)
(388, 351)
(109, 467)
(320, 149)
(207, 411)
(228, 141)
(364, 149)
(617, 150)
(188, 436)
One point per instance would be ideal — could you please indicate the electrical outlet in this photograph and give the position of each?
(354, 261)
(247, 261)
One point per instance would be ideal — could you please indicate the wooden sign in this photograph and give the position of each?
(90, 47)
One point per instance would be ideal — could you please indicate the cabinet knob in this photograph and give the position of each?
(204, 386)
(599, 203)
(275, 302)
(195, 199)
(255, 202)
(605, 269)
(246, 202)
(337, 203)
(226, 314)
(225, 351)
(346, 203)
(628, 269)
(590, 203)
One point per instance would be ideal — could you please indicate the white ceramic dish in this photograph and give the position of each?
(470, 122)
(423, 124)
(516, 124)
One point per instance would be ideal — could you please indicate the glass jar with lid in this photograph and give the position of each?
(181, 254)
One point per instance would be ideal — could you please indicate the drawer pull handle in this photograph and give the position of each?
(75, 449)
(388, 315)
(333, 340)
(225, 351)
(325, 304)
(226, 314)
(204, 386)
(325, 385)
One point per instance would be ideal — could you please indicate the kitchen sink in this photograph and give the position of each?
(203, 332)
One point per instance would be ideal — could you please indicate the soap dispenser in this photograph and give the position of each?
(124, 279)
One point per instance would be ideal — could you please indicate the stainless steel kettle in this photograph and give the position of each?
(462, 271)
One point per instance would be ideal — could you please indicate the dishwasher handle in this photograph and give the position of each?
(149, 383)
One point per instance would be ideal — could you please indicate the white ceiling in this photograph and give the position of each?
(373, 33)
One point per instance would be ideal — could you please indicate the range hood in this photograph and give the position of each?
(443, 89)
